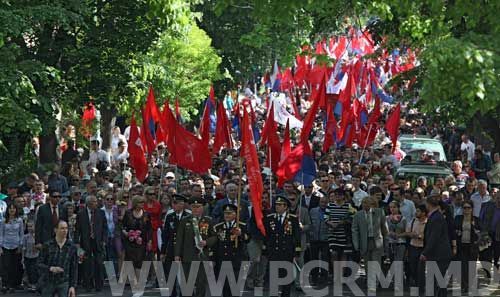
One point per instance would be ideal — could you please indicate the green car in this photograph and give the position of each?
(430, 171)
(416, 145)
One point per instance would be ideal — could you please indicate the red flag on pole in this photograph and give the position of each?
(249, 154)
(392, 125)
(331, 129)
(137, 158)
(187, 150)
(87, 118)
(222, 130)
(205, 124)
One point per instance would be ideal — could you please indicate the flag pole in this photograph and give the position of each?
(366, 142)
(239, 199)
(270, 176)
(161, 173)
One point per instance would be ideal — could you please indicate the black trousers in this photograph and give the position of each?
(11, 261)
(466, 253)
(93, 276)
(443, 267)
(319, 251)
(226, 290)
(416, 267)
(31, 270)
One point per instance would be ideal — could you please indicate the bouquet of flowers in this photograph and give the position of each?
(135, 236)
(81, 255)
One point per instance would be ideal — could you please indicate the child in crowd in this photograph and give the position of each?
(30, 254)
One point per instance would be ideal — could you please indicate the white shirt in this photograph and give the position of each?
(100, 155)
(478, 200)
(469, 147)
(358, 197)
(115, 140)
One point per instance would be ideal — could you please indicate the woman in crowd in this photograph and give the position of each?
(137, 233)
(111, 214)
(11, 239)
(69, 208)
(396, 239)
(122, 207)
(153, 208)
(468, 230)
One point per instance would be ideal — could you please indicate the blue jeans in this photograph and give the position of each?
(49, 290)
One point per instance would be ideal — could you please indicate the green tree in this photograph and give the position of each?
(178, 67)
(458, 75)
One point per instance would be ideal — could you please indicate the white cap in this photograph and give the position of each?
(170, 175)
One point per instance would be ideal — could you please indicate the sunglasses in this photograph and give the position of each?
(110, 199)
(467, 207)
(325, 181)
(125, 196)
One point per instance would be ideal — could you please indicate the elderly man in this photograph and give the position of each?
(460, 175)
(368, 231)
(480, 197)
(90, 235)
(231, 198)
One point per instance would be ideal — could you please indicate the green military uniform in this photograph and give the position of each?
(187, 250)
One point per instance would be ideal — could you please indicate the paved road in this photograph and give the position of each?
(491, 290)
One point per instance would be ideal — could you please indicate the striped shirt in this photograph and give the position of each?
(337, 238)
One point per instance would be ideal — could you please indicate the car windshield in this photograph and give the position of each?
(416, 146)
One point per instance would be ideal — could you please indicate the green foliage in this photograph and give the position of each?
(182, 68)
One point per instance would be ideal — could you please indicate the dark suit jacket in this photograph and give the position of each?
(283, 241)
(475, 232)
(44, 229)
(169, 233)
(313, 203)
(217, 213)
(82, 231)
(437, 245)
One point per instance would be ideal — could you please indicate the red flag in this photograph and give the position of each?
(222, 130)
(346, 120)
(249, 154)
(187, 150)
(147, 132)
(287, 144)
(287, 81)
(212, 95)
(310, 116)
(392, 125)
(269, 125)
(150, 117)
(375, 114)
(137, 158)
(205, 124)
(331, 129)
(87, 118)
(291, 164)
(151, 106)
(162, 132)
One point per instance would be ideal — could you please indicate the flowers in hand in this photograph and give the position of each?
(135, 236)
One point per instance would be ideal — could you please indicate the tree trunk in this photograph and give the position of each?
(48, 146)
(108, 120)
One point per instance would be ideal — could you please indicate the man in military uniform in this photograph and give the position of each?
(169, 234)
(283, 237)
(232, 237)
(195, 238)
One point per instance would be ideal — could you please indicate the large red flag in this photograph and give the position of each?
(310, 116)
(270, 137)
(205, 124)
(137, 158)
(289, 167)
(222, 130)
(162, 132)
(331, 129)
(187, 150)
(249, 154)
(87, 118)
(286, 149)
(392, 125)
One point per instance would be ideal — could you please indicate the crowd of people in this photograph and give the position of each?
(356, 209)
